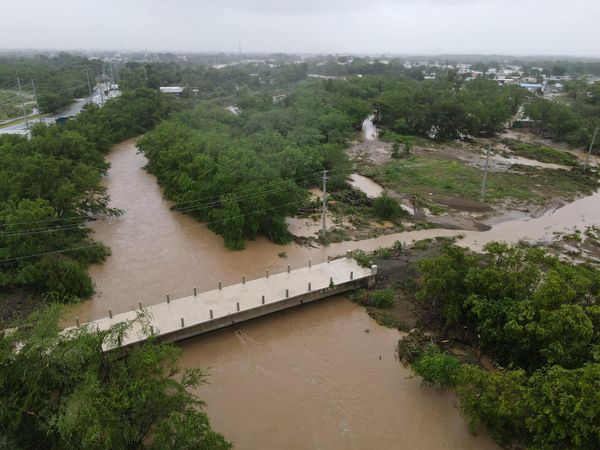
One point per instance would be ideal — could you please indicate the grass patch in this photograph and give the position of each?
(441, 177)
(542, 153)
(381, 299)
(387, 319)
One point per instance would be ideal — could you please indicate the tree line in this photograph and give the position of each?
(444, 111)
(244, 173)
(50, 185)
(573, 121)
(65, 390)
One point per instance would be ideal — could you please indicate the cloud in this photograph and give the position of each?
(315, 26)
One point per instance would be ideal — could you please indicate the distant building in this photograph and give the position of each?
(233, 109)
(173, 90)
(532, 87)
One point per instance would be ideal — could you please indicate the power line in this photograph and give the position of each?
(159, 237)
(69, 227)
(40, 230)
(96, 244)
(183, 210)
(242, 191)
(238, 199)
(173, 208)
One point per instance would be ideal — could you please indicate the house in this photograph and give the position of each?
(173, 90)
(532, 87)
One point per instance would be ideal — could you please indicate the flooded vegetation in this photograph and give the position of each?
(471, 194)
(156, 250)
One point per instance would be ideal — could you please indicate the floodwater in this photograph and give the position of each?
(310, 378)
(528, 162)
(322, 377)
(369, 129)
(366, 185)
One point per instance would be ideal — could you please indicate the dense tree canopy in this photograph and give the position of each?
(441, 110)
(58, 79)
(244, 173)
(49, 186)
(539, 318)
(573, 122)
(65, 391)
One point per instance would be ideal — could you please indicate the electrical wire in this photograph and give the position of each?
(69, 227)
(257, 194)
(239, 192)
(159, 237)
(256, 191)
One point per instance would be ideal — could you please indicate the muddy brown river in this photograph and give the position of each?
(317, 377)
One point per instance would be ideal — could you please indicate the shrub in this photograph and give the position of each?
(436, 367)
(383, 298)
(362, 258)
(387, 208)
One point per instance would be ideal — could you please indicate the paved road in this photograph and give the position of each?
(72, 110)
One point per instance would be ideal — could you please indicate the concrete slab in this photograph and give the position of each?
(212, 310)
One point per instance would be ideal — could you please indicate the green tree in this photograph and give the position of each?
(437, 367)
(443, 282)
(66, 391)
(494, 399)
(564, 407)
(387, 208)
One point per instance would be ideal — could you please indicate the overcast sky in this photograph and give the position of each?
(521, 27)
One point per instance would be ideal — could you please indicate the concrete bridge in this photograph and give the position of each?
(199, 313)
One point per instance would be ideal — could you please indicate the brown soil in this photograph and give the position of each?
(400, 273)
(17, 304)
(462, 204)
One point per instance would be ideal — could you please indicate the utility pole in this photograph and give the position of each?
(587, 160)
(324, 216)
(23, 104)
(100, 86)
(37, 105)
(87, 72)
(485, 174)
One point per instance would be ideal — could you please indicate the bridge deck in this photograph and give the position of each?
(215, 309)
